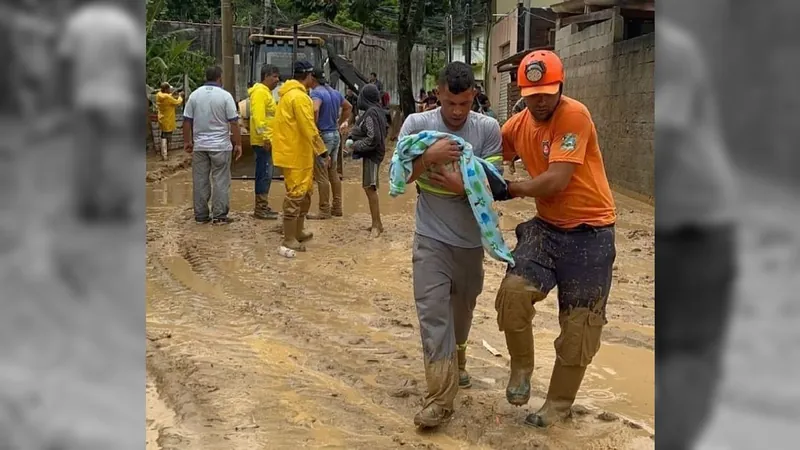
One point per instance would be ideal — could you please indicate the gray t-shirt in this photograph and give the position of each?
(449, 219)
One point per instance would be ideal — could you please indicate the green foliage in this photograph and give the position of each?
(169, 56)
(434, 63)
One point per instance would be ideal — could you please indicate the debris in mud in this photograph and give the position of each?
(632, 424)
(606, 416)
(408, 389)
(638, 234)
(581, 410)
(491, 349)
(155, 337)
(402, 323)
(250, 426)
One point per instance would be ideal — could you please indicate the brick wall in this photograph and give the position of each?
(177, 135)
(614, 79)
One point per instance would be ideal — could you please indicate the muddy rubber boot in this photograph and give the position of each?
(464, 380)
(164, 150)
(520, 348)
(564, 385)
(262, 210)
(291, 208)
(441, 377)
(302, 234)
(336, 191)
(432, 416)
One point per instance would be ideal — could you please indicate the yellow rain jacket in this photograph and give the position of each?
(262, 114)
(166, 105)
(295, 137)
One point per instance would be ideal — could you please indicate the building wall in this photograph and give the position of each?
(503, 43)
(478, 51)
(614, 79)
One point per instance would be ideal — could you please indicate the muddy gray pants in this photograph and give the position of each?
(211, 180)
(447, 282)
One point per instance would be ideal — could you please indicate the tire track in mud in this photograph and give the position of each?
(343, 386)
(194, 256)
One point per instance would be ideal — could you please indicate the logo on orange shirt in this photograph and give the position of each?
(546, 148)
(569, 142)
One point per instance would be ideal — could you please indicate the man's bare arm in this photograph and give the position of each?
(317, 106)
(347, 110)
(237, 133)
(550, 183)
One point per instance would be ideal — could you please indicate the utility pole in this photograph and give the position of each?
(527, 25)
(228, 72)
(294, 44)
(468, 33)
(268, 17)
(448, 37)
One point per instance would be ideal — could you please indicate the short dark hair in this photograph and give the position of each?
(457, 77)
(374, 74)
(213, 73)
(301, 76)
(269, 69)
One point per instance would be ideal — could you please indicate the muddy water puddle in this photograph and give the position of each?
(323, 349)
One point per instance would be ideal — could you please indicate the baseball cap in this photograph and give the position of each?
(319, 74)
(540, 72)
(303, 67)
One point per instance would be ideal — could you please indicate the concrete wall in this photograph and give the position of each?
(614, 79)
(504, 33)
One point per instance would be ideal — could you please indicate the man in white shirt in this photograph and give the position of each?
(209, 118)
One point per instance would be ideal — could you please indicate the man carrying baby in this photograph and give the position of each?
(447, 254)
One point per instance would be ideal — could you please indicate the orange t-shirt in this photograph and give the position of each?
(569, 136)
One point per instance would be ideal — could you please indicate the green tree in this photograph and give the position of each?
(168, 55)
(411, 21)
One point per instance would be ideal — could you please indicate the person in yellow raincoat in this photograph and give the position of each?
(296, 142)
(262, 109)
(166, 102)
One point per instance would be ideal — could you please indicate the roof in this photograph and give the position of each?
(514, 60)
(321, 25)
(579, 6)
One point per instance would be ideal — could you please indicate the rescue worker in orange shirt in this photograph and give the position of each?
(569, 243)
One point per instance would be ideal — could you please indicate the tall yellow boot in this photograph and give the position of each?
(464, 380)
(305, 205)
(520, 349)
(564, 385)
(291, 209)
(515, 311)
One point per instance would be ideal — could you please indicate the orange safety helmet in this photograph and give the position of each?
(540, 72)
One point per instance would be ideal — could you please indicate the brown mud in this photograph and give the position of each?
(247, 349)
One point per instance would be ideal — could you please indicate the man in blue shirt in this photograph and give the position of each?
(331, 111)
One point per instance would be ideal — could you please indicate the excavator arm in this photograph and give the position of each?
(342, 70)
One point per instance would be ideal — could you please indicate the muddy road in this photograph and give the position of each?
(250, 350)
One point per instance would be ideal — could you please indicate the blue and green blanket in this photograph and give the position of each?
(474, 173)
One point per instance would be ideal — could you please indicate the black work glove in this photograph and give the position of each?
(499, 187)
